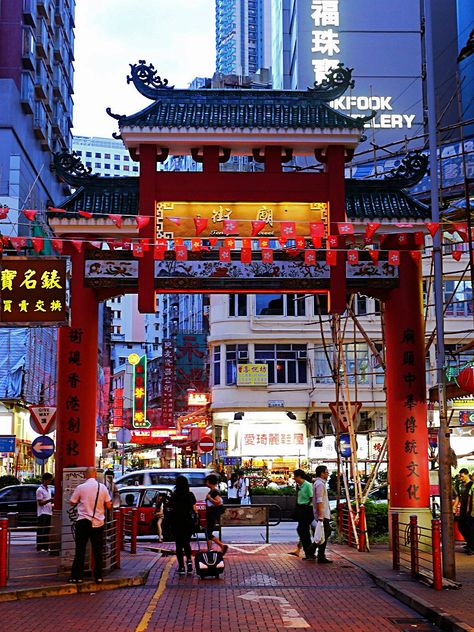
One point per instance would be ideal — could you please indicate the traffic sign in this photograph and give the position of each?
(123, 435)
(206, 444)
(42, 448)
(345, 446)
(43, 419)
(7, 443)
(339, 415)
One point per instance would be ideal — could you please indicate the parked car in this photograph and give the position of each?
(143, 498)
(165, 478)
(20, 499)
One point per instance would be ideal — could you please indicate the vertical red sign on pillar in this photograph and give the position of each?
(167, 384)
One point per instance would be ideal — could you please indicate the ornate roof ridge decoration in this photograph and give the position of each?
(338, 80)
(146, 80)
(69, 168)
(410, 171)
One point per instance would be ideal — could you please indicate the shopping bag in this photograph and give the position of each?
(318, 537)
(245, 501)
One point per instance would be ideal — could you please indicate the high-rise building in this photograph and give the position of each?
(105, 156)
(36, 88)
(243, 42)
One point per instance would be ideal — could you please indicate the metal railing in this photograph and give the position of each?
(128, 528)
(418, 549)
(250, 516)
(352, 528)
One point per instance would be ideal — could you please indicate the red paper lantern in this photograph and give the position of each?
(466, 379)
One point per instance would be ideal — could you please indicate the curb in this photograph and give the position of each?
(439, 617)
(73, 589)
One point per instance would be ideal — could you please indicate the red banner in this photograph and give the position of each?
(167, 384)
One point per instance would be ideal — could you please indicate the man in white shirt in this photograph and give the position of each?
(92, 499)
(44, 510)
(321, 509)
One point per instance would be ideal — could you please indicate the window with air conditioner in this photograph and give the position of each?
(287, 363)
(280, 305)
(234, 355)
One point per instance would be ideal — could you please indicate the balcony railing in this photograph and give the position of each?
(27, 93)
(40, 121)
(29, 12)
(41, 38)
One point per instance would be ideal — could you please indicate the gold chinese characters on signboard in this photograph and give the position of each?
(33, 291)
(234, 219)
(252, 375)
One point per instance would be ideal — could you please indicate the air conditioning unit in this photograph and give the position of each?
(243, 355)
(302, 355)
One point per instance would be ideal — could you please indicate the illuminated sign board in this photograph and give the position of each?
(186, 219)
(167, 383)
(198, 399)
(252, 375)
(33, 291)
(139, 419)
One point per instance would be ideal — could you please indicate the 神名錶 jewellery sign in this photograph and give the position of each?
(33, 291)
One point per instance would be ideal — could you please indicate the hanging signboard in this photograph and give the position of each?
(252, 375)
(33, 291)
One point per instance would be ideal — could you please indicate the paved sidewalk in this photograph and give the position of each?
(449, 607)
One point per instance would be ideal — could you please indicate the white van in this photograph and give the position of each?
(166, 478)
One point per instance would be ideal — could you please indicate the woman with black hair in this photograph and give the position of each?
(182, 507)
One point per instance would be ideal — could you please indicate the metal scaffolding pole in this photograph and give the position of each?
(449, 564)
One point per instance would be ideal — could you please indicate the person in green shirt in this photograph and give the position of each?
(304, 512)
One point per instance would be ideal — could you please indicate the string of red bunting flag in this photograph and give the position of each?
(288, 240)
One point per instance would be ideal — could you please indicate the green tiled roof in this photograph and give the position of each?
(239, 109)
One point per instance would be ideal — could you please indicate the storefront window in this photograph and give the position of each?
(234, 354)
(287, 363)
(279, 305)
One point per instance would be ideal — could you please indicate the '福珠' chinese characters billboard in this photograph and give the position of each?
(33, 291)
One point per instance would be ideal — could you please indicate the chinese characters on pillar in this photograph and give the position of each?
(411, 449)
(167, 384)
(325, 44)
(72, 427)
(33, 291)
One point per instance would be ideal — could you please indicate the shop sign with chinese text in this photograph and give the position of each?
(139, 394)
(167, 383)
(33, 291)
(252, 375)
(279, 439)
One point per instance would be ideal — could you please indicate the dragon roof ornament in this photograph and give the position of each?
(70, 168)
(337, 81)
(410, 171)
(146, 80)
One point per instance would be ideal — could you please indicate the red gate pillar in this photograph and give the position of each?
(335, 162)
(146, 263)
(406, 393)
(77, 380)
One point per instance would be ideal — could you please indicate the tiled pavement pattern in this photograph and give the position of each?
(282, 593)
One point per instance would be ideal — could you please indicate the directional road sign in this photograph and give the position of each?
(7, 443)
(206, 444)
(43, 419)
(42, 447)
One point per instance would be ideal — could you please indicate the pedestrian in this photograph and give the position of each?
(304, 512)
(466, 510)
(321, 509)
(92, 499)
(182, 512)
(243, 489)
(44, 510)
(112, 488)
(232, 492)
(297, 551)
(159, 515)
(214, 509)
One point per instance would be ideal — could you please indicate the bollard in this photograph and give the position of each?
(436, 544)
(3, 551)
(118, 535)
(414, 546)
(395, 542)
(362, 531)
(134, 531)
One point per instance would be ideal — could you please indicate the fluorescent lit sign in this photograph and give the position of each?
(198, 399)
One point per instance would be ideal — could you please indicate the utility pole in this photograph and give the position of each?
(447, 533)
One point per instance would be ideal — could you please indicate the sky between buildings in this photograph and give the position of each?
(176, 36)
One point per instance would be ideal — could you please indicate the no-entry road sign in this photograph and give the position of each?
(43, 419)
(206, 444)
(42, 448)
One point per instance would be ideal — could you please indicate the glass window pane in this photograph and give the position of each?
(291, 367)
(269, 304)
(302, 372)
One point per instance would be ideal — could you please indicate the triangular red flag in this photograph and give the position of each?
(263, 243)
(288, 229)
(432, 227)
(316, 229)
(419, 238)
(394, 257)
(213, 241)
(37, 243)
(402, 239)
(77, 244)
(145, 244)
(161, 241)
(300, 242)
(310, 257)
(374, 255)
(282, 241)
(224, 255)
(3, 211)
(461, 228)
(371, 229)
(368, 241)
(331, 257)
(117, 219)
(229, 226)
(353, 257)
(316, 239)
(247, 243)
(53, 209)
(201, 224)
(292, 252)
(174, 220)
(333, 241)
(142, 221)
(181, 253)
(57, 244)
(257, 226)
(345, 228)
(159, 253)
(246, 255)
(137, 250)
(85, 214)
(415, 255)
(229, 242)
(196, 245)
(179, 241)
(456, 254)
(267, 255)
(96, 244)
(30, 214)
